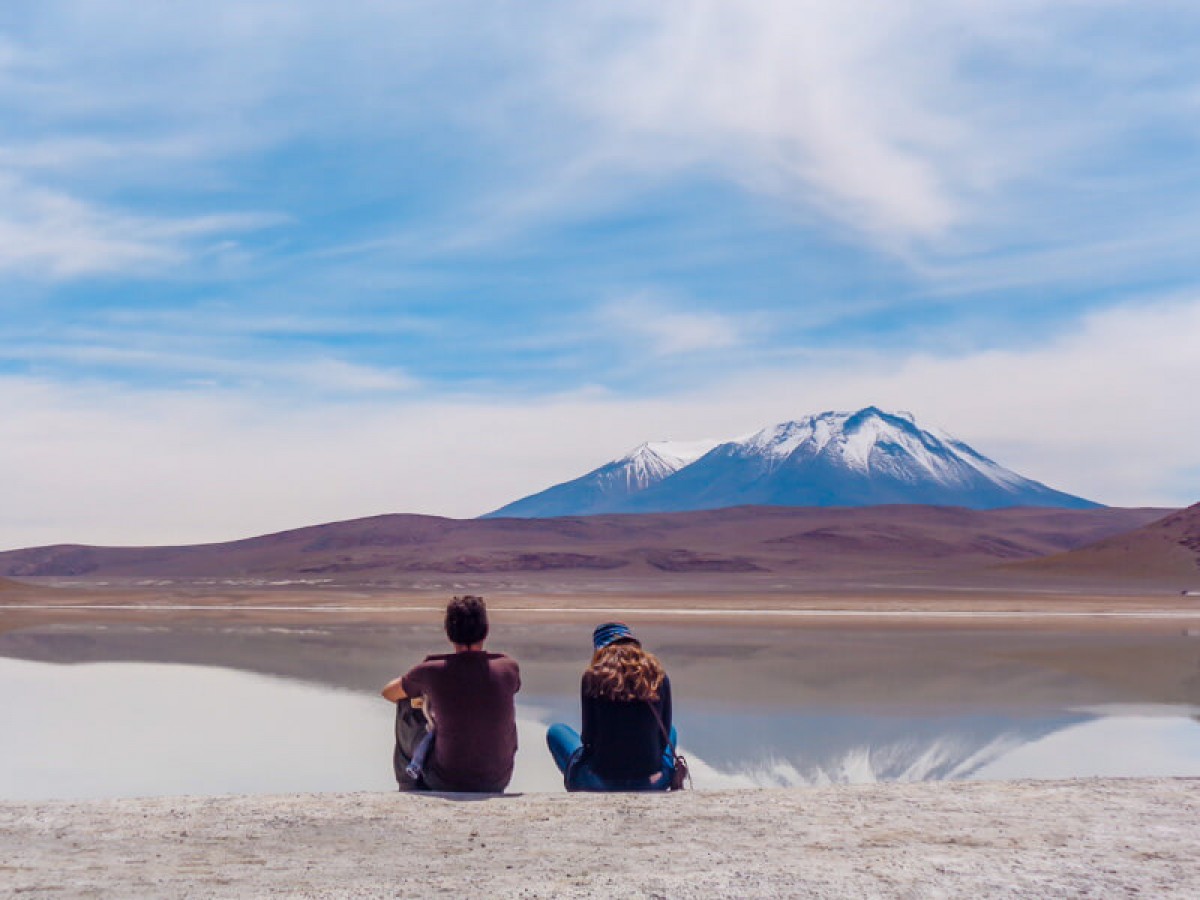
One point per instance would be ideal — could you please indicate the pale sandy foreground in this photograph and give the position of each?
(1097, 837)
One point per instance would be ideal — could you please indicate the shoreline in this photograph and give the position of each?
(1023, 838)
(23, 606)
(1044, 618)
(697, 612)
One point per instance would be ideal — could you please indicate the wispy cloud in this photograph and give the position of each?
(923, 127)
(321, 373)
(46, 231)
(954, 138)
(224, 319)
(668, 331)
(812, 101)
(49, 233)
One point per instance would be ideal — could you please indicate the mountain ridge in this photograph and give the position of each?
(1167, 547)
(743, 541)
(864, 458)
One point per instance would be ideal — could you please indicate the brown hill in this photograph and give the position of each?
(740, 540)
(1168, 547)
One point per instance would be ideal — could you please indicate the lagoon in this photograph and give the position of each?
(93, 711)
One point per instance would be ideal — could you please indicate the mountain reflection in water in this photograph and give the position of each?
(130, 728)
(770, 749)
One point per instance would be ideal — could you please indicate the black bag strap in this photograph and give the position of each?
(661, 727)
(681, 766)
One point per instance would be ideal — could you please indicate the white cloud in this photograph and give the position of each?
(817, 101)
(49, 232)
(96, 156)
(225, 319)
(868, 111)
(1107, 412)
(43, 230)
(955, 136)
(668, 332)
(333, 375)
(220, 364)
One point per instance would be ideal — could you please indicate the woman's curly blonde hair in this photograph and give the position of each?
(623, 671)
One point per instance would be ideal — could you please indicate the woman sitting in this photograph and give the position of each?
(626, 720)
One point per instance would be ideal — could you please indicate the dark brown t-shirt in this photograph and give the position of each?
(471, 696)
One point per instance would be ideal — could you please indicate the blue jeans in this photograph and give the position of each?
(566, 746)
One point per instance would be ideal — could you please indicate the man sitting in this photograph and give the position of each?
(469, 695)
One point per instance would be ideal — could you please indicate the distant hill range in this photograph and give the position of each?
(1167, 547)
(744, 541)
(864, 458)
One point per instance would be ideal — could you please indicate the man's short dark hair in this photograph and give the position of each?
(466, 620)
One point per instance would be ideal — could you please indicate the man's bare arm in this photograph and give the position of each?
(394, 690)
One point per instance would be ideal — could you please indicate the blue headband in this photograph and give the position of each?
(611, 633)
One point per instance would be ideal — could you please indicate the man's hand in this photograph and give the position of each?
(394, 690)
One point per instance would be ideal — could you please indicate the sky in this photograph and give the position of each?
(266, 264)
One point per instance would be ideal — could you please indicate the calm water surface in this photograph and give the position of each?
(109, 716)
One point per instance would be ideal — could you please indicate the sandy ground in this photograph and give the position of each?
(1102, 838)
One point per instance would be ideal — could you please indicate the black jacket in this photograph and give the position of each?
(622, 738)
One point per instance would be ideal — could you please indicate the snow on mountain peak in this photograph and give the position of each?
(871, 439)
(854, 434)
(780, 440)
(683, 452)
(653, 461)
(833, 458)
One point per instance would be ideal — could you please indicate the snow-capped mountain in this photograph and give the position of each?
(862, 458)
(605, 489)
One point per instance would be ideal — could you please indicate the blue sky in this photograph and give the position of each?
(267, 264)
